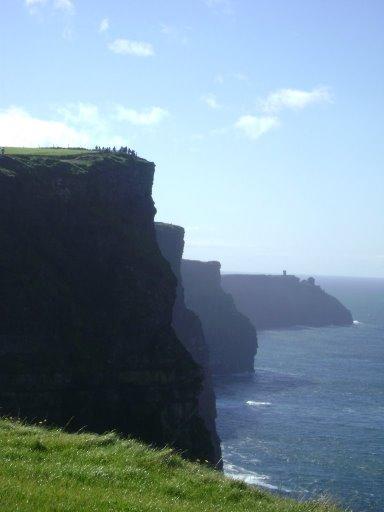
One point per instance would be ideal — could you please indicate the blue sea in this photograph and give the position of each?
(310, 422)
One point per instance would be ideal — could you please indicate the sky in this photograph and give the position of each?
(264, 117)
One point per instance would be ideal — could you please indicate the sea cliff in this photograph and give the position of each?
(86, 337)
(189, 330)
(229, 334)
(272, 301)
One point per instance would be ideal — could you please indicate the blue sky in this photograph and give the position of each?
(264, 117)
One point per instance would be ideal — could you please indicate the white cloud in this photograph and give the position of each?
(219, 79)
(241, 77)
(19, 128)
(175, 34)
(31, 3)
(166, 29)
(295, 99)
(80, 114)
(127, 47)
(104, 25)
(211, 101)
(225, 6)
(255, 126)
(147, 117)
(64, 5)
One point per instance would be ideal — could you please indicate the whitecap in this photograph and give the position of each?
(250, 477)
(356, 322)
(257, 404)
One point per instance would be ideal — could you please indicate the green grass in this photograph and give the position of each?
(45, 470)
(60, 152)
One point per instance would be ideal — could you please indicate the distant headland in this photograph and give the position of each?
(274, 301)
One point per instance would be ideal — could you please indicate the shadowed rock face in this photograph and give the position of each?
(284, 301)
(86, 303)
(189, 330)
(229, 334)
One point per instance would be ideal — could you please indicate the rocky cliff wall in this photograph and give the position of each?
(229, 334)
(189, 330)
(86, 303)
(283, 301)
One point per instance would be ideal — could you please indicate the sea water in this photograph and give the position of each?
(310, 422)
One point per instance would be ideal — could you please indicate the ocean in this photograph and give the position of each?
(310, 422)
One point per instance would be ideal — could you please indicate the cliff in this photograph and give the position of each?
(86, 303)
(229, 334)
(189, 330)
(283, 301)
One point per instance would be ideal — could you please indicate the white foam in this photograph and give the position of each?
(250, 477)
(253, 403)
(356, 322)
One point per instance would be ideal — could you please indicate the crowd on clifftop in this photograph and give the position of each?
(123, 149)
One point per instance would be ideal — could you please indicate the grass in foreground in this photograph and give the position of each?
(44, 470)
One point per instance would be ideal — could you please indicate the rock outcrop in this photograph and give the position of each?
(283, 301)
(229, 334)
(86, 302)
(189, 330)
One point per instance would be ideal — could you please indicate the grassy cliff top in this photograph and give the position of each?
(48, 470)
(73, 159)
(50, 152)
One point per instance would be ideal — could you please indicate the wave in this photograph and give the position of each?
(356, 322)
(254, 403)
(250, 477)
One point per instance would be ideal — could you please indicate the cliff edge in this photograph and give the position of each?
(229, 334)
(189, 330)
(283, 301)
(86, 302)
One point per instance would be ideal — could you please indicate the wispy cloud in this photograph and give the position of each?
(211, 101)
(148, 117)
(254, 127)
(225, 6)
(174, 33)
(295, 99)
(270, 109)
(19, 128)
(67, 6)
(219, 79)
(241, 77)
(32, 3)
(80, 114)
(104, 25)
(64, 5)
(127, 47)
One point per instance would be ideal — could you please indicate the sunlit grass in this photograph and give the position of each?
(45, 151)
(45, 470)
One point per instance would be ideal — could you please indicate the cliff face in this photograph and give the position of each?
(284, 301)
(229, 334)
(189, 330)
(86, 304)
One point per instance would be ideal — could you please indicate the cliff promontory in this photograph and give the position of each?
(272, 301)
(229, 334)
(189, 330)
(86, 302)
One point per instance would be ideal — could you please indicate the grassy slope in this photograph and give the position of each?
(47, 470)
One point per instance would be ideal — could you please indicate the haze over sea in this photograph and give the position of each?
(311, 420)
